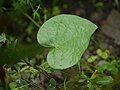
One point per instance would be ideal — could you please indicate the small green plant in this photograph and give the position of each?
(67, 36)
(101, 68)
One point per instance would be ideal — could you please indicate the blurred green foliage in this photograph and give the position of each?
(11, 52)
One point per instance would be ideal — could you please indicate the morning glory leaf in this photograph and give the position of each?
(67, 36)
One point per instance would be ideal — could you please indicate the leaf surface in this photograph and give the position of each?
(105, 80)
(68, 37)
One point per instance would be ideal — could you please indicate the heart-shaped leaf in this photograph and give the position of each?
(68, 37)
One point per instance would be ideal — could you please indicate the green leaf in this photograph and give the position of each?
(114, 62)
(81, 80)
(84, 76)
(89, 85)
(52, 82)
(109, 66)
(113, 69)
(12, 85)
(93, 75)
(97, 87)
(104, 80)
(103, 54)
(68, 37)
(92, 59)
(99, 52)
(2, 37)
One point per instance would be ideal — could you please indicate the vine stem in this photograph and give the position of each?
(38, 69)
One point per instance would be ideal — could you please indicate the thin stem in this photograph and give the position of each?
(88, 64)
(65, 84)
(31, 19)
(79, 66)
(21, 87)
(38, 69)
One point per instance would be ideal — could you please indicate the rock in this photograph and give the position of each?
(112, 27)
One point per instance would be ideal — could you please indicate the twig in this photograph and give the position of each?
(30, 83)
(42, 71)
(38, 69)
